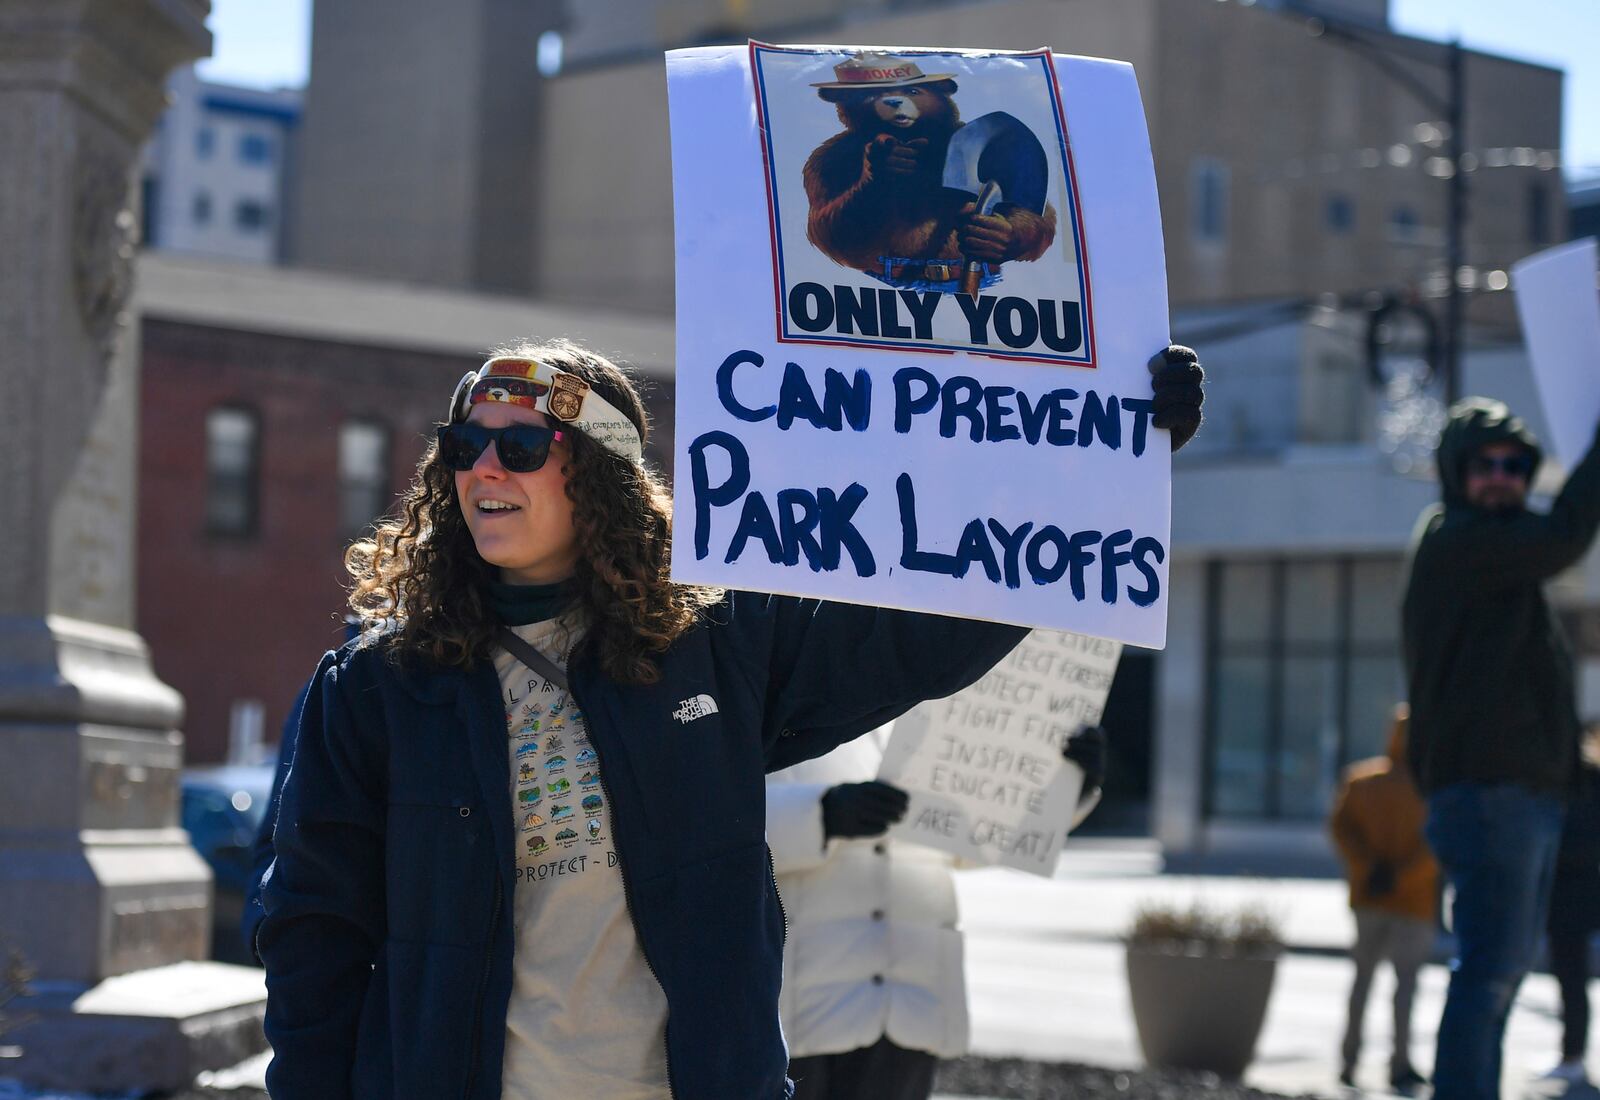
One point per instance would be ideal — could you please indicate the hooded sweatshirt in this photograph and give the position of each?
(1489, 672)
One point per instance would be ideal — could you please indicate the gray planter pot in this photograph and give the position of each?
(1199, 1012)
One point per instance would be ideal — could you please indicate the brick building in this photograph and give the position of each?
(280, 412)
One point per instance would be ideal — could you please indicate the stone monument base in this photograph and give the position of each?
(100, 892)
(154, 1029)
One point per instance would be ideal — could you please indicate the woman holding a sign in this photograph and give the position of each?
(521, 851)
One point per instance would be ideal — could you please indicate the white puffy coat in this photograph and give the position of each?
(873, 945)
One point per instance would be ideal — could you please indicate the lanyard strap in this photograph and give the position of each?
(531, 657)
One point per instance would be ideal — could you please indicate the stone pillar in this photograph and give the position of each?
(99, 887)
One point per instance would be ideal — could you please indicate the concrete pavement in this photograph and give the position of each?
(1045, 974)
(1046, 981)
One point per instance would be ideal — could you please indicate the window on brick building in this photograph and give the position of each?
(233, 474)
(363, 474)
(1303, 671)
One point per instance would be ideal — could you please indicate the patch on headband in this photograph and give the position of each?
(513, 380)
(566, 397)
(509, 391)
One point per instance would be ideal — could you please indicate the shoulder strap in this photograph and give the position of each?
(531, 657)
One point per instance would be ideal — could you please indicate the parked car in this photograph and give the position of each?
(222, 807)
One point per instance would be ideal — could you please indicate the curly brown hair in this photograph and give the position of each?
(420, 583)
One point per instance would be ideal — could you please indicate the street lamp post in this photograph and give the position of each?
(1455, 224)
(1388, 52)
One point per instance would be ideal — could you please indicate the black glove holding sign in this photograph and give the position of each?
(1177, 380)
(853, 810)
(1087, 749)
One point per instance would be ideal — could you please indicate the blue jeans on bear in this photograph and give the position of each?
(1497, 844)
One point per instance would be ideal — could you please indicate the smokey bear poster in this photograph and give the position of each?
(923, 200)
(916, 293)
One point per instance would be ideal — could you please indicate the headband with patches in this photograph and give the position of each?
(559, 395)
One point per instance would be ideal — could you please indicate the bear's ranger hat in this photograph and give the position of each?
(879, 70)
(560, 395)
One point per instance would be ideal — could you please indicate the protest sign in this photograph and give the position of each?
(886, 395)
(984, 768)
(1560, 311)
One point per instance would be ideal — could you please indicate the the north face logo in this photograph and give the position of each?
(698, 707)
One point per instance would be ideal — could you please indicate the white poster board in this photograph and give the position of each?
(849, 425)
(984, 767)
(1560, 311)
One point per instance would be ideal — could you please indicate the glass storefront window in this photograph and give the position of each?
(1311, 602)
(1304, 672)
(1308, 751)
(1247, 594)
(1376, 587)
(1375, 687)
(1244, 712)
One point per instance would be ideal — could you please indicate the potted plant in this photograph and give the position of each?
(1199, 980)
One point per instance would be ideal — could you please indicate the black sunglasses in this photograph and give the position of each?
(521, 448)
(1518, 466)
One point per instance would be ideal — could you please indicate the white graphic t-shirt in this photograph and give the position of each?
(587, 1018)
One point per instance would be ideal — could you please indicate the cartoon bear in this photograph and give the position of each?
(878, 203)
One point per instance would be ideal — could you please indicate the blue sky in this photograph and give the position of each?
(265, 43)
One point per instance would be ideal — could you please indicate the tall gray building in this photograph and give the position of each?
(421, 156)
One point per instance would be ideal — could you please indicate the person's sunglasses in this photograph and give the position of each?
(521, 448)
(1518, 466)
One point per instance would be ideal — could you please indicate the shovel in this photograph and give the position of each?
(995, 159)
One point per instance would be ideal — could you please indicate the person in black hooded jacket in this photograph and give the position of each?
(1494, 726)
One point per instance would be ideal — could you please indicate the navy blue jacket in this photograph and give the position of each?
(387, 934)
(261, 850)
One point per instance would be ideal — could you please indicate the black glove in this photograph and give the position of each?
(1380, 880)
(1087, 749)
(1176, 378)
(861, 809)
